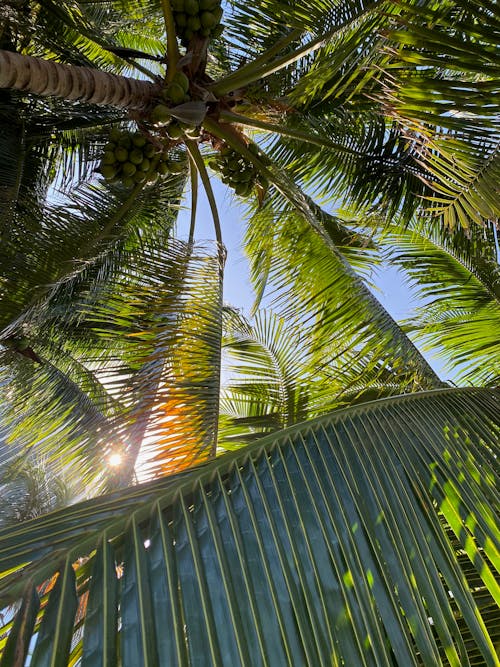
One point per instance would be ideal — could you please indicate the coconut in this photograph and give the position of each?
(128, 169)
(139, 140)
(108, 171)
(191, 7)
(174, 91)
(121, 154)
(208, 20)
(108, 157)
(136, 156)
(182, 80)
(160, 115)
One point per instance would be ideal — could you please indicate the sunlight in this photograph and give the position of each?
(115, 459)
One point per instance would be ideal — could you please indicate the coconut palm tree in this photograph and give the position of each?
(367, 537)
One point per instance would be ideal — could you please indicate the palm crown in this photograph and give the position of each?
(112, 329)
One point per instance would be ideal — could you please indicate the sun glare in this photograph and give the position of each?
(115, 459)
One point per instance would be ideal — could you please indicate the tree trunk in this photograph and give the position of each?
(43, 77)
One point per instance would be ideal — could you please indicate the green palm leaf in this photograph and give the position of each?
(311, 280)
(98, 34)
(275, 381)
(135, 355)
(335, 541)
(458, 277)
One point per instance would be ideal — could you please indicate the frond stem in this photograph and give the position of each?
(230, 117)
(172, 46)
(194, 197)
(147, 72)
(197, 158)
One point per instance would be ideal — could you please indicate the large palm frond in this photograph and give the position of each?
(355, 538)
(140, 353)
(311, 280)
(109, 35)
(429, 131)
(458, 276)
(274, 381)
(96, 244)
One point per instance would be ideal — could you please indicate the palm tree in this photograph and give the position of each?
(334, 542)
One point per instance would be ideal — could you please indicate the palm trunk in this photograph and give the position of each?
(43, 77)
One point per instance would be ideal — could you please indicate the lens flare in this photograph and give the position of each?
(115, 459)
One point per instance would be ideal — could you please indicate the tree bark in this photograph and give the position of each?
(44, 77)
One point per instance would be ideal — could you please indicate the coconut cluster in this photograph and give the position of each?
(197, 18)
(236, 171)
(176, 92)
(130, 157)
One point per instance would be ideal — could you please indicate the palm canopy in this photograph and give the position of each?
(331, 94)
(274, 379)
(111, 331)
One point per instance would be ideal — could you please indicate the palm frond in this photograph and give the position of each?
(61, 406)
(274, 380)
(426, 80)
(458, 277)
(32, 488)
(375, 166)
(448, 62)
(141, 349)
(320, 286)
(177, 383)
(463, 183)
(95, 34)
(350, 539)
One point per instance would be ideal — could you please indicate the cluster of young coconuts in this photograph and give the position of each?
(197, 18)
(176, 92)
(130, 157)
(138, 157)
(238, 173)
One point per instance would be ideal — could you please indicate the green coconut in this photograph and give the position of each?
(139, 140)
(191, 7)
(193, 23)
(136, 156)
(181, 80)
(208, 20)
(121, 154)
(175, 131)
(115, 134)
(108, 171)
(108, 157)
(139, 177)
(128, 169)
(175, 92)
(160, 115)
